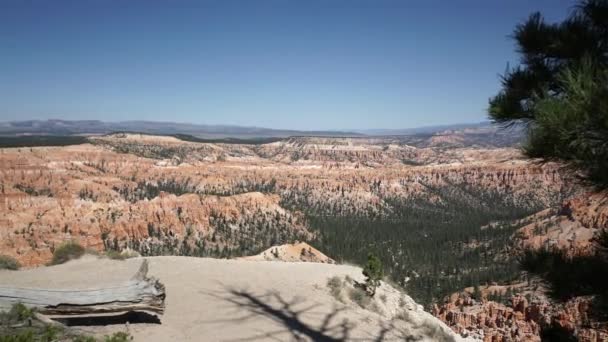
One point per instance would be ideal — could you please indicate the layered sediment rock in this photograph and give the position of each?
(161, 195)
(571, 227)
(519, 319)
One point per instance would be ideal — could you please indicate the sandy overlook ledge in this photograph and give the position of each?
(237, 300)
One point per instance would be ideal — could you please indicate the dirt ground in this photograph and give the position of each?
(238, 300)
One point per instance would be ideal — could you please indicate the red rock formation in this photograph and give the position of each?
(95, 195)
(519, 320)
(571, 228)
(491, 321)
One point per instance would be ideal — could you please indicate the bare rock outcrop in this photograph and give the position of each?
(571, 228)
(492, 321)
(299, 251)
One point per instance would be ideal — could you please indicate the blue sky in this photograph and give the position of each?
(325, 64)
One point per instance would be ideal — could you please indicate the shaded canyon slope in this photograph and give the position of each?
(531, 308)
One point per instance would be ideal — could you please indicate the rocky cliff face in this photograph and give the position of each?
(491, 321)
(350, 152)
(570, 227)
(161, 195)
(521, 318)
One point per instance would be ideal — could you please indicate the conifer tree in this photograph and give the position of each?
(560, 90)
(373, 273)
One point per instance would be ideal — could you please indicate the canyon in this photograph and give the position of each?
(159, 194)
(466, 191)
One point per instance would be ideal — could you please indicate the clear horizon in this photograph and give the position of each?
(254, 126)
(314, 65)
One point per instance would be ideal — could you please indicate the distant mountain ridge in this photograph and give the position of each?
(97, 127)
(424, 129)
(76, 127)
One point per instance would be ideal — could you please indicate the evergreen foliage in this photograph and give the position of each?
(433, 243)
(248, 234)
(560, 90)
(42, 140)
(373, 273)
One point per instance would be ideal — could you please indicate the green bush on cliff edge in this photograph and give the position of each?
(9, 263)
(67, 251)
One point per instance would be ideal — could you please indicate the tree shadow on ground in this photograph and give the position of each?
(570, 277)
(288, 314)
(331, 327)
